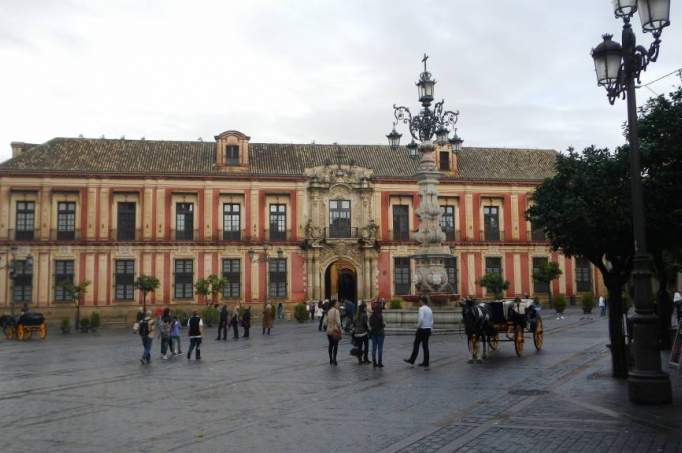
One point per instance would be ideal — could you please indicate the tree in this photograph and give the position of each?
(585, 210)
(547, 273)
(203, 288)
(76, 293)
(216, 286)
(147, 284)
(494, 283)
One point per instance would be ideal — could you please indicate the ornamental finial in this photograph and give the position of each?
(426, 57)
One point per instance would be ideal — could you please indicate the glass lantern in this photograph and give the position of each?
(654, 14)
(607, 61)
(394, 138)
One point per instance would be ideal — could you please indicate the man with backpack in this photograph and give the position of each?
(145, 329)
(196, 328)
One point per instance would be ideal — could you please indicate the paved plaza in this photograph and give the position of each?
(85, 393)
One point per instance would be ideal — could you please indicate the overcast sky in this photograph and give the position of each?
(301, 70)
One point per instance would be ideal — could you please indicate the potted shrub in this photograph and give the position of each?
(95, 321)
(210, 316)
(587, 302)
(182, 316)
(494, 284)
(301, 312)
(85, 325)
(560, 304)
(395, 304)
(66, 326)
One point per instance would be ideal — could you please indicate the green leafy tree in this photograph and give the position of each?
(202, 288)
(585, 210)
(147, 284)
(546, 274)
(494, 283)
(76, 292)
(216, 284)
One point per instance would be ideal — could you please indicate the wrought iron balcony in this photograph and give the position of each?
(341, 233)
(183, 235)
(277, 235)
(24, 235)
(126, 234)
(492, 235)
(65, 235)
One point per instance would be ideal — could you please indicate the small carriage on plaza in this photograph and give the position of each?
(23, 326)
(508, 320)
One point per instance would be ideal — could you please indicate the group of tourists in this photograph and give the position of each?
(166, 328)
(365, 328)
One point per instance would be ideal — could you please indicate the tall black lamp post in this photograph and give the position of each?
(14, 272)
(618, 67)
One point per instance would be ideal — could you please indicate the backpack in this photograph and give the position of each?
(144, 328)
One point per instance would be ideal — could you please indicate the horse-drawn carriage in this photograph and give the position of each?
(490, 323)
(23, 326)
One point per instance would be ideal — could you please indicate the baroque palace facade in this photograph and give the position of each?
(282, 222)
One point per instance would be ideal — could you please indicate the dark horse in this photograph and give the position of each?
(478, 327)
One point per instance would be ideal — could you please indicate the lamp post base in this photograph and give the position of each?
(649, 387)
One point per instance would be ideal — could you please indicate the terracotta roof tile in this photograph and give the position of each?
(153, 157)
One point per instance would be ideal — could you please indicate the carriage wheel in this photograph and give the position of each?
(518, 341)
(21, 332)
(9, 332)
(537, 334)
(494, 341)
(42, 331)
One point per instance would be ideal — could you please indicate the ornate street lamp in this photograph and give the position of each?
(394, 138)
(618, 68)
(430, 276)
(265, 259)
(11, 265)
(456, 142)
(412, 148)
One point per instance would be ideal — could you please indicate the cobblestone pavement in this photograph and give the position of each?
(85, 393)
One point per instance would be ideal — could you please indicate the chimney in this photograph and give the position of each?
(18, 148)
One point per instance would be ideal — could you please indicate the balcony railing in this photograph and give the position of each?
(406, 236)
(24, 235)
(275, 235)
(451, 235)
(126, 235)
(341, 233)
(65, 235)
(492, 235)
(183, 235)
(537, 235)
(232, 235)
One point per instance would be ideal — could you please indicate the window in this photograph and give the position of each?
(66, 220)
(493, 265)
(184, 276)
(491, 223)
(339, 218)
(583, 275)
(277, 269)
(124, 279)
(125, 222)
(537, 234)
(444, 161)
(231, 221)
(184, 221)
(539, 287)
(401, 222)
(278, 222)
(232, 274)
(23, 281)
(231, 155)
(401, 276)
(447, 222)
(63, 275)
(25, 220)
(451, 269)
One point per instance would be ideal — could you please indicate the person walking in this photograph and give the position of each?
(157, 322)
(333, 331)
(376, 333)
(145, 329)
(325, 308)
(311, 310)
(424, 326)
(267, 318)
(602, 306)
(234, 322)
(165, 334)
(677, 300)
(175, 336)
(361, 334)
(280, 311)
(196, 330)
(246, 321)
(222, 323)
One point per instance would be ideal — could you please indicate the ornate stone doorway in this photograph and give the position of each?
(341, 281)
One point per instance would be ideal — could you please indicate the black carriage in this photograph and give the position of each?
(23, 326)
(510, 321)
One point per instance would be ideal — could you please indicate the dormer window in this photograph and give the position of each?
(231, 155)
(444, 161)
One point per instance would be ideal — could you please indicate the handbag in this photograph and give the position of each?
(336, 334)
